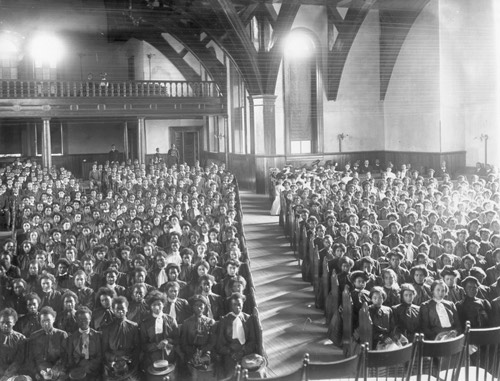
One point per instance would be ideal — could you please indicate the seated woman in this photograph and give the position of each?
(239, 284)
(473, 309)
(120, 344)
(66, 320)
(382, 318)
(103, 315)
(198, 335)
(84, 347)
(159, 333)
(406, 313)
(138, 309)
(12, 345)
(30, 322)
(215, 306)
(85, 294)
(174, 306)
(438, 317)
(236, 336)
(46, 348)
(16, 298)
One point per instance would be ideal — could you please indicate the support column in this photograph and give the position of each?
(141, 140)
(263, 135)
(263, 124)
(125, 141)
(46, 144)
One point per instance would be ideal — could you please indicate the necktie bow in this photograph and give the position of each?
(238, 330)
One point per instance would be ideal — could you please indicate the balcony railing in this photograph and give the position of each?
(11, 89)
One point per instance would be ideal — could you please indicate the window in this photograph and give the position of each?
(8, 69)
(300, 85)
(56, 137)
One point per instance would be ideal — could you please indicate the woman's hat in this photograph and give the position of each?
(359, 274)
(161, 368)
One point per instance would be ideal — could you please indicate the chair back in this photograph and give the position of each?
(345, 369)
(442, 359)
(388, 364)
(484, 361)
(297, 375)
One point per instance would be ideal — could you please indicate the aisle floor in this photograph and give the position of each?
(292, 325)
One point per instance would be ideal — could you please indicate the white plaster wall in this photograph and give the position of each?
(158, 132)
(411, 107)
(358, 111)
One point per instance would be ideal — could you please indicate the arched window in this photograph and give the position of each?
(302, 95)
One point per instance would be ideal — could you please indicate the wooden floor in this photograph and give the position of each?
(292, 325)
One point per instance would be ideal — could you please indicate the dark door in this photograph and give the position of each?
(188, 143)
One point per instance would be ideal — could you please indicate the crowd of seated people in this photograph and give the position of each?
(422, 252)
(144, 274)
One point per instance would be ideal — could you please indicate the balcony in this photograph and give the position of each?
(109, 98)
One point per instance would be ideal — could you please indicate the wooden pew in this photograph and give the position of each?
(346, 322)
(318, 297)
(365, 326)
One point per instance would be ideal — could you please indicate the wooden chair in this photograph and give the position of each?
(346, 369)
(384, 365)
(484, 364)
(441, 359)
(297, 375)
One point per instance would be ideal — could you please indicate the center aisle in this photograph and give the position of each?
(292, 325)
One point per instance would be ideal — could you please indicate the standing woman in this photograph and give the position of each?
(438, 317)
(172, 156)
(237, 335)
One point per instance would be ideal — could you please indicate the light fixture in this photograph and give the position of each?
(46, 47)
(298, 44)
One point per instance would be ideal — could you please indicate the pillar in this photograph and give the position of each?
(263, 124)
(125, 140)
(141, 140)
(263, 135)
(46, 144)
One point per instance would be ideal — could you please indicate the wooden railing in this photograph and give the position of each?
(11, 89)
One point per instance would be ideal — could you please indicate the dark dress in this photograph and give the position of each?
(47, 350)
(231, 350)
(198, 336)
(429, 319)
(477, 311)
(406, 319)
(12, 350)
(77, 358)
(120, 342)
(383, 323)
(150, 339)
(28, 324)
(101, 318)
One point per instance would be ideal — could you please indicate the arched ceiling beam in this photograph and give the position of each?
(238, 44)
(139, 21)
(395, 24)
(159, 43)
(270, 61)
(347, 29)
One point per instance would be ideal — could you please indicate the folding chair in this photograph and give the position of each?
(297, 375)
(484, 363)
(441, 360)
(394, 364)
(346, 369)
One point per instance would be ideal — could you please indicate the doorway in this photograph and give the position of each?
(187, 140)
